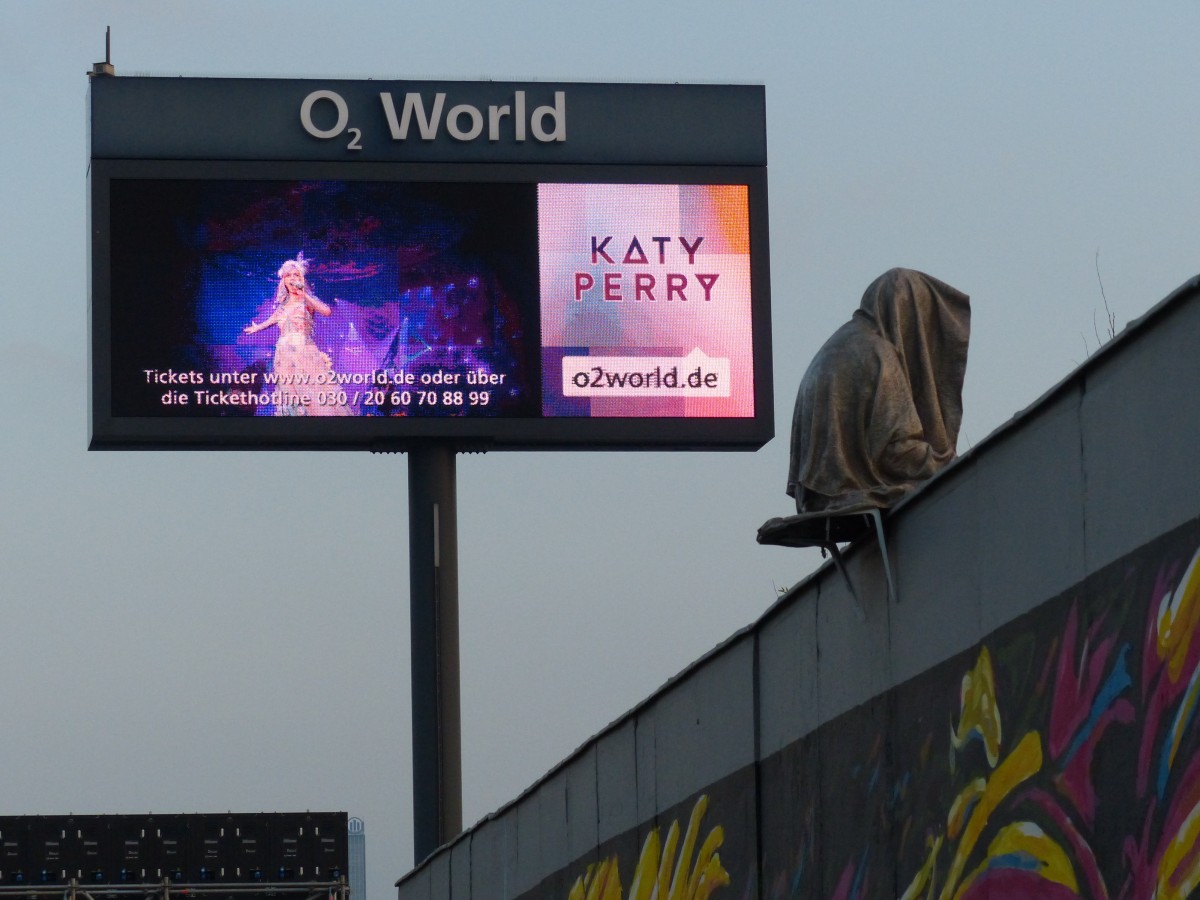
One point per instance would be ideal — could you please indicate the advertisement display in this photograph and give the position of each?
(323, 299)
(645, 300)
(370, 304)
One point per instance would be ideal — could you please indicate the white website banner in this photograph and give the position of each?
(694, 375)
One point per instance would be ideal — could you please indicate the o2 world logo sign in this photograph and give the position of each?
(463, 122)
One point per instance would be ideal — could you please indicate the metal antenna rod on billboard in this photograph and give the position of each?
(433, 603)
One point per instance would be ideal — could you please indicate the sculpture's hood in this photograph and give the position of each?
(929, 324)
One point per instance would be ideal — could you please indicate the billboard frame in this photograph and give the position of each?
(400, 433)
(632, 134)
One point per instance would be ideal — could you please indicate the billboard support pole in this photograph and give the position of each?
(433, 605)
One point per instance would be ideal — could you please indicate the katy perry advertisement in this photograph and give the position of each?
(645, 300)
(319, 299)
(379, 299)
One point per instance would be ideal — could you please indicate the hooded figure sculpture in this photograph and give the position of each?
(879, 408)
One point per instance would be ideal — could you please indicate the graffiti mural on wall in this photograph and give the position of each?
(1059, 758)
(665, 869)
(702, 848)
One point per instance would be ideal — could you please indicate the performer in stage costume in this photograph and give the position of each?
(300, 366)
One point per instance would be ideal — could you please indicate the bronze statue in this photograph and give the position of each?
(879, 408)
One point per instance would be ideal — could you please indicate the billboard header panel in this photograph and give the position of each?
(427, 121)
(293, 302)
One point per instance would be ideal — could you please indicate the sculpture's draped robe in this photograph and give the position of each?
(880, 406)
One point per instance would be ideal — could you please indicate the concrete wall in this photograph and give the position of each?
(810, 734)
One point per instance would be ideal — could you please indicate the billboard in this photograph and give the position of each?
(431, 277)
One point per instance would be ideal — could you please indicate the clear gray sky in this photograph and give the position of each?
(200, 632)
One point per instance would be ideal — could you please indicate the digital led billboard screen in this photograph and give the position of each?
(368, 304)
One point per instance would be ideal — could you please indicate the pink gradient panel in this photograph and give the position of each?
(645, 300)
